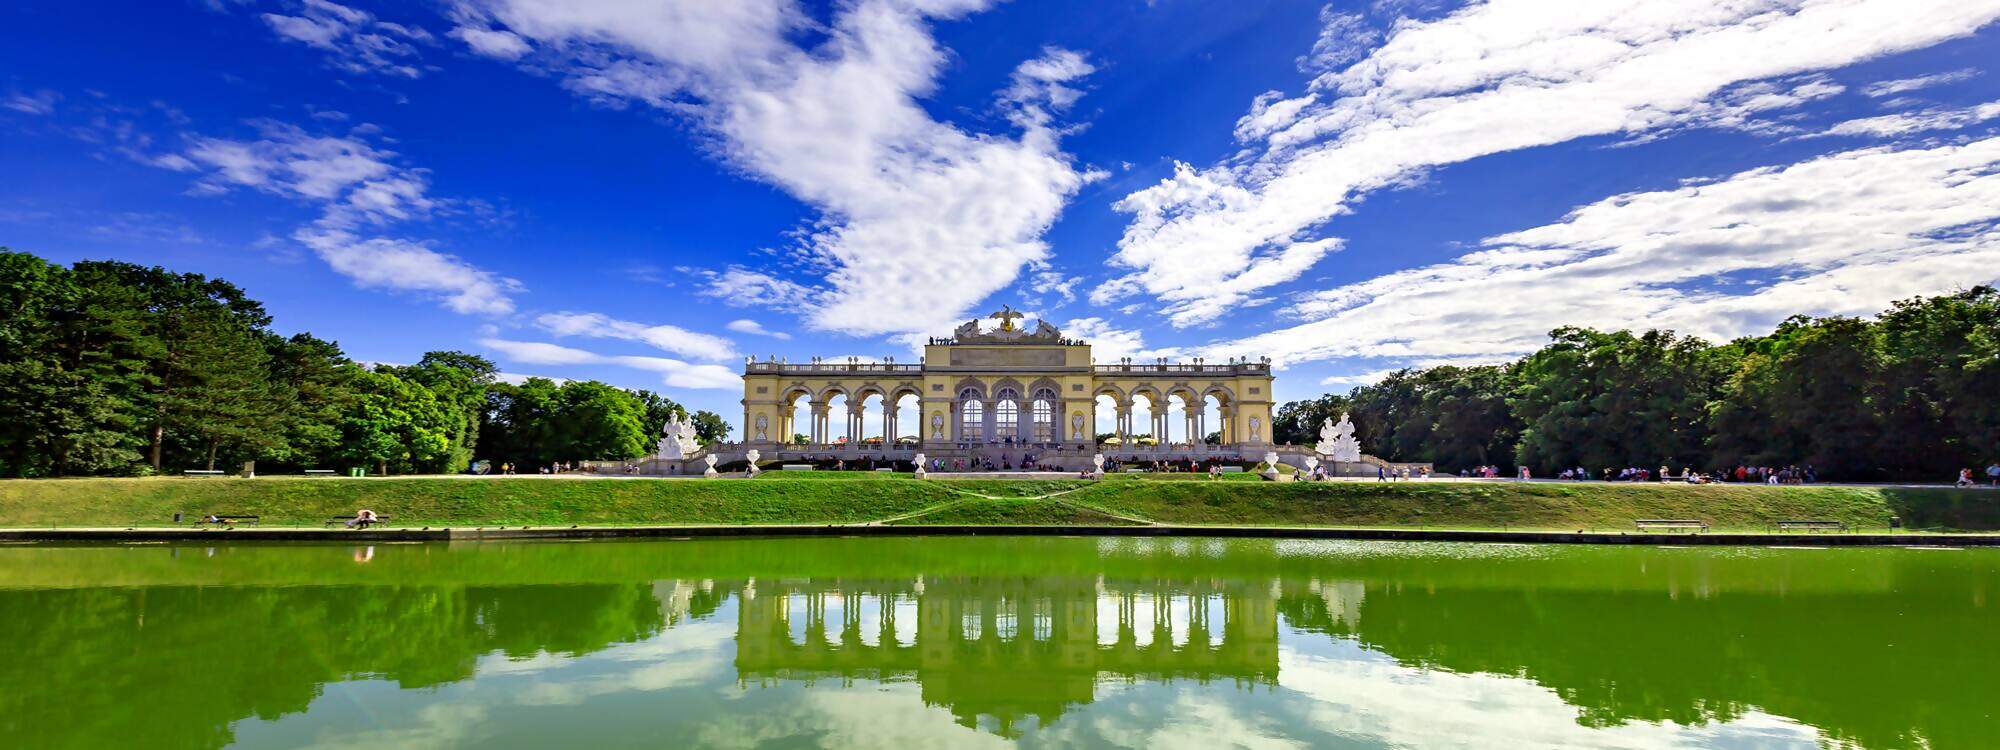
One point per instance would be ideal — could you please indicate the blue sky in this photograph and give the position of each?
(644, 191)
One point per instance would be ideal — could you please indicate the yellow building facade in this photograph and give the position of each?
(1010, 387)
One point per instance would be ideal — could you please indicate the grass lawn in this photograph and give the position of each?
(828, 497)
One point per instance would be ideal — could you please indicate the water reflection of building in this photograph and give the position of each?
(1006, 648)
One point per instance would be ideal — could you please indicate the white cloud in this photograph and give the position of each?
(673, 372)
(1906, 85)
(667, 338)
(359, 187)
(492, 43)
(1109, 342)
(906, 201)
(1374, 699)
(1843, 234)
(411, 266)
(1047, 282)
(1493, 77)
(1905, 123)
(39, 103)
(755, 328)
(1343, 38)
(354, 41)
(1357, 379)
(741, 287)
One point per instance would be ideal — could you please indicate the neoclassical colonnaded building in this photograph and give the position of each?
(1004, 393)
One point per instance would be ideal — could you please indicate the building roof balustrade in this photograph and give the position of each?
(1240, 368)
(790, 368)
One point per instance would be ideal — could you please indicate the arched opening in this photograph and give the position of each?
(833, 431)
(1180, 429)
(1143, 425)
(1213, 406)
(909, 418)
(1007, 415)
(870, 410)
(971, 416)
(1044, 416)
(1104, 417)
(795, 423)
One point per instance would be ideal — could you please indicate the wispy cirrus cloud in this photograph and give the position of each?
(667, 338)
(354, 40)
(755, 328)
(905, 201)
(1905, 85)
(1842, 234)
(1917, 121)
(1490, 78)
(360, 188)
(673, 372)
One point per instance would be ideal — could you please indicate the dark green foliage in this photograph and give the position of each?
(111, 368)
(1911, 395)
(710, 427)
(1297, 422)
(1457, 417)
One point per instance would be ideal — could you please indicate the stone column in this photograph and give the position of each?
(1228, 424)
(819, 417)
(856, 413)
(888, 425)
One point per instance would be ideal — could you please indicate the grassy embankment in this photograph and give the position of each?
(826, 498)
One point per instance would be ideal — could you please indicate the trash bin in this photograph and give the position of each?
(357, 473)
(1895, 522)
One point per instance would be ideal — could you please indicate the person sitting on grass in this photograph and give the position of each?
(1964, 478)
(362, 518)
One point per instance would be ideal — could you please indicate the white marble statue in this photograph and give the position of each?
(678, 442)
(1337, 443)
(751, 456)
(710, 460)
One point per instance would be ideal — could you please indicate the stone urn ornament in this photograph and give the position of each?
(1098, 462)
(1271, 465)
(919, 461)
(751, 456)
(1312, 465)
(710, 460)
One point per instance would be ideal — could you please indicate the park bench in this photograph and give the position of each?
(1232, 469)
(796, 467)
(379, 518)
(201, 472)
(222, 520)
(1695, 525)
(319, 472)
(1811, 525)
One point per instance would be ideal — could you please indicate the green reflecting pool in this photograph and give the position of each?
(952, 642)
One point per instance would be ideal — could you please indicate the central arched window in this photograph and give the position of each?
(1007, 414)
(971, 416)
(1045, 416)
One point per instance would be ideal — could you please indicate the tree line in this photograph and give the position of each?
(111, 368)
(1911, 394)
